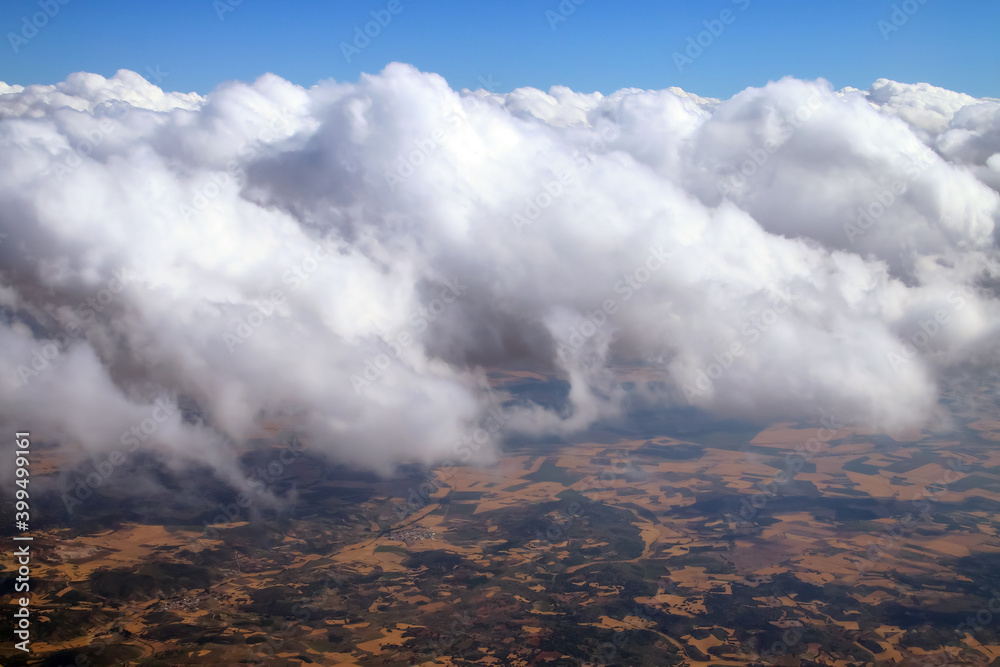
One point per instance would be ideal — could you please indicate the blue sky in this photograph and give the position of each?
(602, 45)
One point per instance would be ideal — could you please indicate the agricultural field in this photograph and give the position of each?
(662, 540)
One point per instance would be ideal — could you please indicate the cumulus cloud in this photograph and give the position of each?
(357, 257)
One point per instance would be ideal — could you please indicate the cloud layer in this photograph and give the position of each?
(358, 255)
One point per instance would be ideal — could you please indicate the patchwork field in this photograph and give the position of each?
(662, 541)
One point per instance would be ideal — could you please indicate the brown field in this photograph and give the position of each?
(835, 527)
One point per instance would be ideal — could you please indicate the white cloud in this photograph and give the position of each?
(275, 263)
